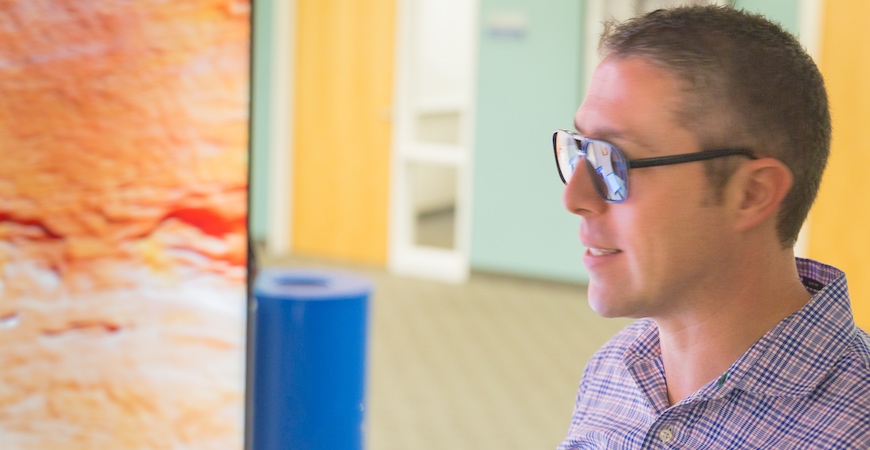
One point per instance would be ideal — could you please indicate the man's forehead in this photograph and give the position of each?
(628, 97)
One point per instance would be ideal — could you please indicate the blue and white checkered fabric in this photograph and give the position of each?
(804, 384)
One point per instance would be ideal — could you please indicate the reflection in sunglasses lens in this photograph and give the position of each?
(605, 164)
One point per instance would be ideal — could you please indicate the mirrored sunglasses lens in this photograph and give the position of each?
(607, 168)
(567, 154)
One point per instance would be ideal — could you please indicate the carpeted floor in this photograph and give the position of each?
(489, 364)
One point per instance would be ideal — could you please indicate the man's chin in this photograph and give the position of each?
(604, 308)
(608, 305)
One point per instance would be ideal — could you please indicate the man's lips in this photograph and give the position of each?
(603, 251)
(596, 244)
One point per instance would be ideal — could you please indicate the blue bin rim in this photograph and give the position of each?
(310, 284)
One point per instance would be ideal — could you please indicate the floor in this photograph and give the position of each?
(435, 228)
(489, 364)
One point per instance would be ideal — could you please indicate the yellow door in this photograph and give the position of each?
(840, 220)
(344, 63)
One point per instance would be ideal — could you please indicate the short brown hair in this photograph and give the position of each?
(749, 84)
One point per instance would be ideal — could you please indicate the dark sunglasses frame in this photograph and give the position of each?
(583, 142)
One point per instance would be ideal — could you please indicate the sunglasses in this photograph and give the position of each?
(608, 166)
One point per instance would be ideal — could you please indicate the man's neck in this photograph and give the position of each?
(701, 344)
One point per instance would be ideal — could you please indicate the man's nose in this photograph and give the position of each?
(580, 196)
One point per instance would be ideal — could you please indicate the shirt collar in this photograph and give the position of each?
(793, 357)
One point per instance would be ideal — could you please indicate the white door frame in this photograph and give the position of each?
(280, 196)
(405, 256)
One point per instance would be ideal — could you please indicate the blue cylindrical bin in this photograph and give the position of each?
(309, 360)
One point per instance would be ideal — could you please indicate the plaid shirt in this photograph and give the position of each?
(804, 384)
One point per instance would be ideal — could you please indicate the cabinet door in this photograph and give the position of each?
(341, 132)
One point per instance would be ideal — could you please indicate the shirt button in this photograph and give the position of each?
(666, 435)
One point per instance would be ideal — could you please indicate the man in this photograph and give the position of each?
(704, 136)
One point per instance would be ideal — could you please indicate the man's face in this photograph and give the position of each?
(656, 253)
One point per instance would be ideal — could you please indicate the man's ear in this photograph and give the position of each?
(756, 191)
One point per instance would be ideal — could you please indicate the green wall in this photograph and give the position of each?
(528, 85)
(784, 12)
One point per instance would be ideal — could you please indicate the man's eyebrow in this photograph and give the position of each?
(604, 133)
(616, 137)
